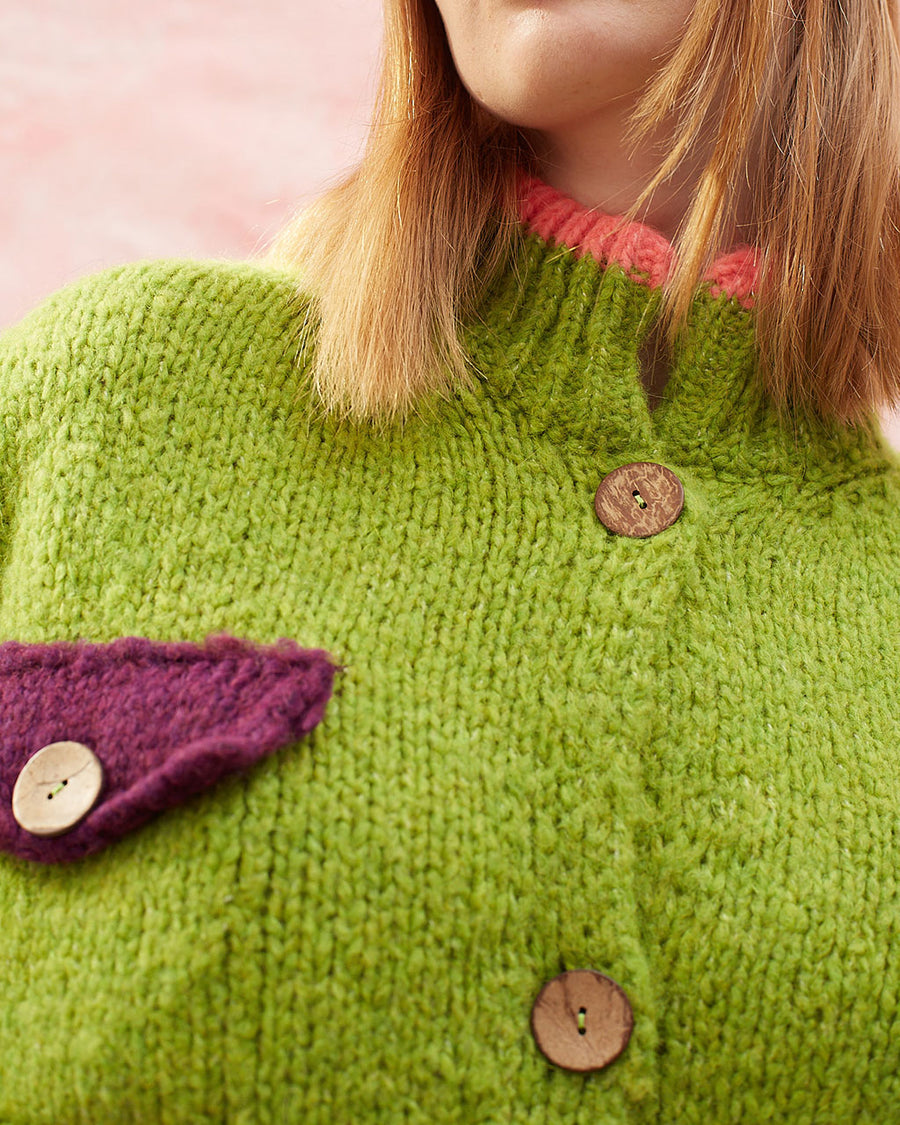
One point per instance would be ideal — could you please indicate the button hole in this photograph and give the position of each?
(642, 503)
(59, 788)
(582, 1029)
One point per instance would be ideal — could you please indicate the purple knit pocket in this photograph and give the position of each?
(166, 720)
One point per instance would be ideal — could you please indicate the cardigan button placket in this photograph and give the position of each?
(639, 499)
(582, 1020)
(57, 787)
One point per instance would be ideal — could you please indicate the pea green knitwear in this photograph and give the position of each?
(674, 760)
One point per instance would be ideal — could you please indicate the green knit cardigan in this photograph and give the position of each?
(674, 760)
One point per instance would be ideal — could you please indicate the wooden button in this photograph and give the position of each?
(639, 499)
(582, 1020)
(58, 787)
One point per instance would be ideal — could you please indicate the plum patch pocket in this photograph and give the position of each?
(116, 733)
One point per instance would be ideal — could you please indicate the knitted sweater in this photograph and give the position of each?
(328, 877)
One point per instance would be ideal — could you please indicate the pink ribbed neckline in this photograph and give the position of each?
(644, 253)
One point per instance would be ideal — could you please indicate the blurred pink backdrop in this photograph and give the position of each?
(181, 128)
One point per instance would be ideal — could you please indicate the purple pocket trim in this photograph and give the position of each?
(167, 720)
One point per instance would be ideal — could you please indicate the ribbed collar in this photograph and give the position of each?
(642, 252)
(559, 336)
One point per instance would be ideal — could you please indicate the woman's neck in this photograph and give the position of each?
(588, 160)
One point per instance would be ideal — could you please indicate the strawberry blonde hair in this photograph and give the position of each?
(392, 259)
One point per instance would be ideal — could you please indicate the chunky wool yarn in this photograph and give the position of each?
(672, 760)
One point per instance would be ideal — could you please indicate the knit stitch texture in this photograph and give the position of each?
(673, 760)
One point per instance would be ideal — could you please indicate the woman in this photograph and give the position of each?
(542, 764)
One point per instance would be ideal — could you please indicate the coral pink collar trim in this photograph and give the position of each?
(644, 253)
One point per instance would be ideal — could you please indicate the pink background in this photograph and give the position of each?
(180, 128)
